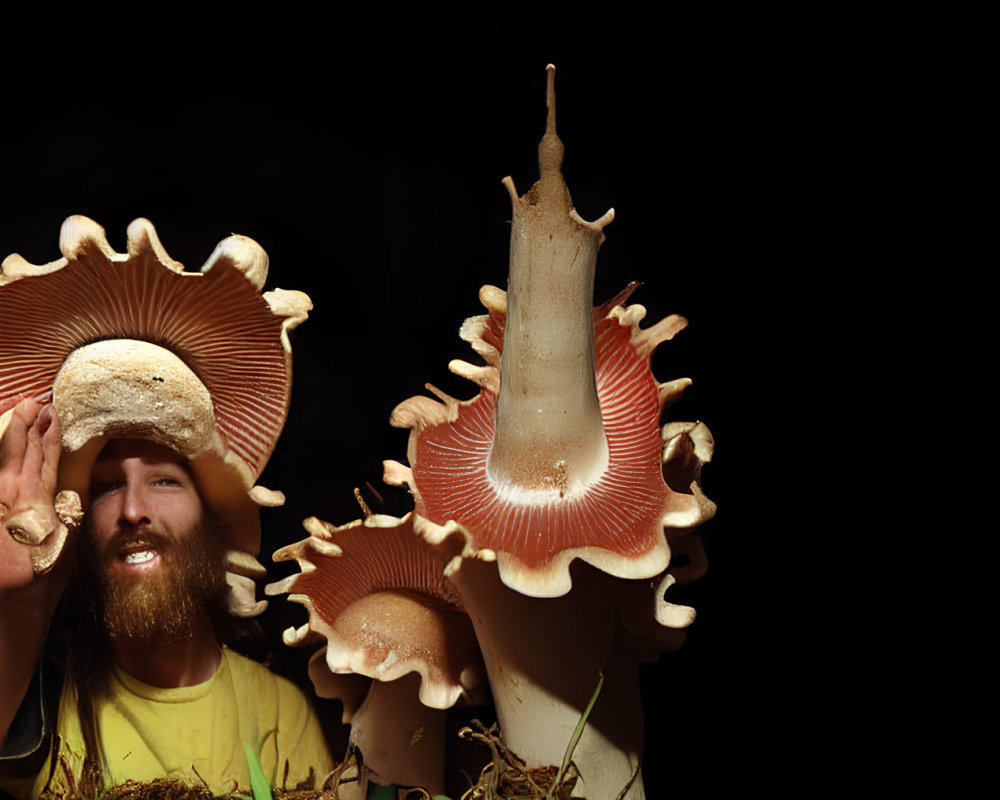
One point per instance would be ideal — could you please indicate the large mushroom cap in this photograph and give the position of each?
(618, 524)
(197, 360)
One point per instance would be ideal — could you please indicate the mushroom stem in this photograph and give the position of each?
(555, 468)
(402, 741)
(549, 433)
(543, 656)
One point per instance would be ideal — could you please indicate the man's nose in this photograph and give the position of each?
(135, 505)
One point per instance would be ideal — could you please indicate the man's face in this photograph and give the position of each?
(150, 559)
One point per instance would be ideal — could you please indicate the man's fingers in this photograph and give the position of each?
(31, 465)
(15, 438)
(27, 410)
(51, 448)
(29, 455)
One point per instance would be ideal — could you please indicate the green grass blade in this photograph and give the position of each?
(258, 782)
(577, 733)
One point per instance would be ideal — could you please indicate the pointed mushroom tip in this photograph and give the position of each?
(662, 331)
(686, 511)
(291, 635)
(291, 304)
(16, 266)
(671, 615)
(707, 508)
(268, 498)
(79, 233)
(453, 566)
(142, 239)
(287, 553)
(396, 474)
(485, 377)
(139, 232)
(285, 585)
(598, 225)
(306, 566)
(242, 254)
(671, 391)
(550, 148)
(493, 298)
(437, 693)
(242, 563)
(316, 527)
(445, 398)
(322, 546)
(11, 263)
(508, 183)
(550, 94)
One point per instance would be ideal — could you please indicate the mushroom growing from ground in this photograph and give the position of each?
(551, 484)
(377, 592)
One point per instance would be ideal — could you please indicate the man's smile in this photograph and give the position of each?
(138, 554)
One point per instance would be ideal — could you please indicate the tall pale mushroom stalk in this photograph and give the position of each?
(559, 459)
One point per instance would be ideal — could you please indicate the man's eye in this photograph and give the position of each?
(165, 481)
(100, 488)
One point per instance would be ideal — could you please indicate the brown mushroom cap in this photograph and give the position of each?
(217, 322)
(199, 361)
(376, 591)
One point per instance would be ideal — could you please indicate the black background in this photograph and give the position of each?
(369, 166)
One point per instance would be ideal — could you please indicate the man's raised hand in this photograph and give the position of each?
(32, 531)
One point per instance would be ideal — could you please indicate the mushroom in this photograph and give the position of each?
(378, 594)
(551, 484)
(197, 361)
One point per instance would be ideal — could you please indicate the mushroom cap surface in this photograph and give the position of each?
(130, 345)
(620, 524)
(376, 591)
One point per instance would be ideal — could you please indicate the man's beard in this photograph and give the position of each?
(188, 586)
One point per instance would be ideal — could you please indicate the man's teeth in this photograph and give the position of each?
(139, 558)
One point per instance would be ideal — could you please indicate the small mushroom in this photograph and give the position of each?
(377, 593)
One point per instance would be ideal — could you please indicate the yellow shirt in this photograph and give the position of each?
(196, 733)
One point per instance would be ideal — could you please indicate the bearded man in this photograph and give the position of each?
(129, 678)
